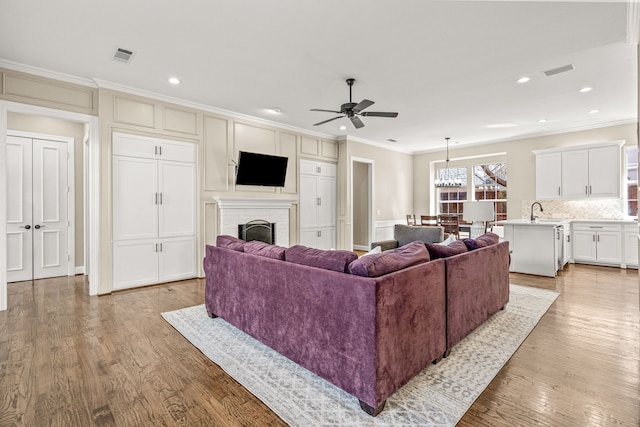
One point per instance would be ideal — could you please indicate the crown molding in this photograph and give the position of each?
(41, 72)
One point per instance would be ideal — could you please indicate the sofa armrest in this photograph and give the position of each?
(385, 245)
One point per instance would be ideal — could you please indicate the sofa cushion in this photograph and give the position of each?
(338, 260)
(443, 251)
(264, 249)
(375, 265)
(230, 242)
(405, 234)
(487, 239)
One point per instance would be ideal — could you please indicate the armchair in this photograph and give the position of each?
(403, 234)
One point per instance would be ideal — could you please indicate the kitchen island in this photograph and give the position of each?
(537, 247)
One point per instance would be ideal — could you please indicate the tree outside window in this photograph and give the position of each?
(490, 183)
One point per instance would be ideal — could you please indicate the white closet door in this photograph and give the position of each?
(177, 258)
(177, 187)
(50, 205)
(19, 223)
(327, 201)
(308, 201)
(135, 198)
(135, 263)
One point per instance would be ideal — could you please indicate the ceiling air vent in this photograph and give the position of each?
(559, 70)
(123, 55)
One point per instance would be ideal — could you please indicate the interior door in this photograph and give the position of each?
(19, 222)
(37, 207)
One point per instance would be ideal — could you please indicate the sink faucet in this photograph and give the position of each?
(533, 218)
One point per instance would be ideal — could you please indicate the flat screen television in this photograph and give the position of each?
(261, 169)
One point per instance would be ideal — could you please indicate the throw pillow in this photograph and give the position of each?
(264, 249)
(230, 242)
(337, 260)
(443, 251)
(471, 244)
(487, 239)
(386, 262)
(448, 240)
(375, 250)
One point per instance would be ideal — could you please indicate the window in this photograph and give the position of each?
(450, 198)
(632, 181)
(490, 183)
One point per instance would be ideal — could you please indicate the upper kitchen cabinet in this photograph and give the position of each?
(549, 176)
(579, 172)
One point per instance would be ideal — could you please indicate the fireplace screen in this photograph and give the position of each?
(260, 230)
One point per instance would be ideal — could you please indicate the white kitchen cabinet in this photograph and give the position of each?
(631, 245)
(597, 243)
(154, 217)
(549, 176)
(317, 204)
(579, 172)
(593, 172)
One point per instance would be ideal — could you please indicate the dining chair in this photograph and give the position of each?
(429, 220)
(451, 224)
(411, 219)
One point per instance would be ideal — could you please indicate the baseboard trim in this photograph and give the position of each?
(80, 269)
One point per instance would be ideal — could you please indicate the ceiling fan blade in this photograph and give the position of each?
(357, 122)
(378, 114)
(323, 122)
(325, 111)
(362, 105)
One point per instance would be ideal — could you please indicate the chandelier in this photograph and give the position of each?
(447, 180)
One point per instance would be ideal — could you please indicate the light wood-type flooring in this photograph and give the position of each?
(67, 359)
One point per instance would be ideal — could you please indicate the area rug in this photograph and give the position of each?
(438, 396)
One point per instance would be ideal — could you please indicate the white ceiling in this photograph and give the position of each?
(449, 68)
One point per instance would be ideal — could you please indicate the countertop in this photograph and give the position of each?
(552, 222)
(538, 223)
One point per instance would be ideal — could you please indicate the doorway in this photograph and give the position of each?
(362, 203)
(91, 190)
(40, 206)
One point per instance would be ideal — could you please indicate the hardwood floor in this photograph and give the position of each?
(67, 359)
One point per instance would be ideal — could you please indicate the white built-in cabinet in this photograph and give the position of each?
(549, 176)
(154, 210)
(579, 172)
(317, 204)
(631, 244)
(597, 243)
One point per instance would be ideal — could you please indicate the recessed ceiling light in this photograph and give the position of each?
(274, 110)
(594, 111)
(524, 79)
(343, 127)
(392, 140)
(542, 121)
(501, 125)
(174, 80)
(585, 89)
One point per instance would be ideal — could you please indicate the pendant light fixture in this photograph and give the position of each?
(448, 180)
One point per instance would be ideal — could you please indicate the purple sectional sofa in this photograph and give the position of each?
(368, 325)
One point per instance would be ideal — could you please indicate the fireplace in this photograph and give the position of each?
(241, 210)
(258, 229)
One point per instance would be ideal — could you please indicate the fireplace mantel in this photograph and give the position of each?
(234, 211)
(252, 203)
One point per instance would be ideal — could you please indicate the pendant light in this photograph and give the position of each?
(448, 180)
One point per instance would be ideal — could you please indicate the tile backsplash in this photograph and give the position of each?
(576, 209)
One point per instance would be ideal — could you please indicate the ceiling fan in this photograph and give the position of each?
(353, 110)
